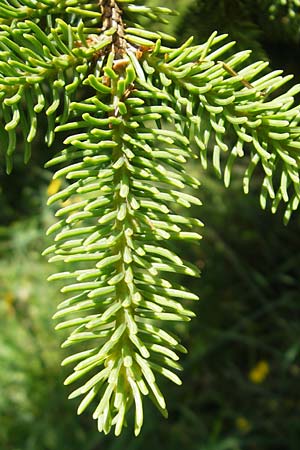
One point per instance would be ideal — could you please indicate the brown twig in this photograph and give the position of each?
(112, 18)
(233, 73)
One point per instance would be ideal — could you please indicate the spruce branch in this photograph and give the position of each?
(224, 101)
(131, 106)
(117, 234)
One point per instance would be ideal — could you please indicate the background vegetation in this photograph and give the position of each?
(241, 377)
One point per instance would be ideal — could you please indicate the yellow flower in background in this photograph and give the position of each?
(9, 302)
(259, 372)
(243, 424)
(53, 187)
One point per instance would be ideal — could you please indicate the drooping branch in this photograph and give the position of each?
(124, 177)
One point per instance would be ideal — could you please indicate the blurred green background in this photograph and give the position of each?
(241, 377)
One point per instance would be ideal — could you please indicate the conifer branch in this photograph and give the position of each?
(122, 224)
(223, 101)
(129, 136)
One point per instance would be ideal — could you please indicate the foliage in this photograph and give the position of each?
(129, 107)
(237, 18)
(281, 6)
(32, 396)
(287, 13)
(250, 296)
(251, 23)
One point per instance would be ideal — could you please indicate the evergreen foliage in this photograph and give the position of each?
(291, 7)
(286, 13)
(235, 17)
(252, 23)
(134, 109)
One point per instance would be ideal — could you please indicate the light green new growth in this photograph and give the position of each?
(134, 109)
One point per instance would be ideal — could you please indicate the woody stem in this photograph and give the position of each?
(112, 18)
